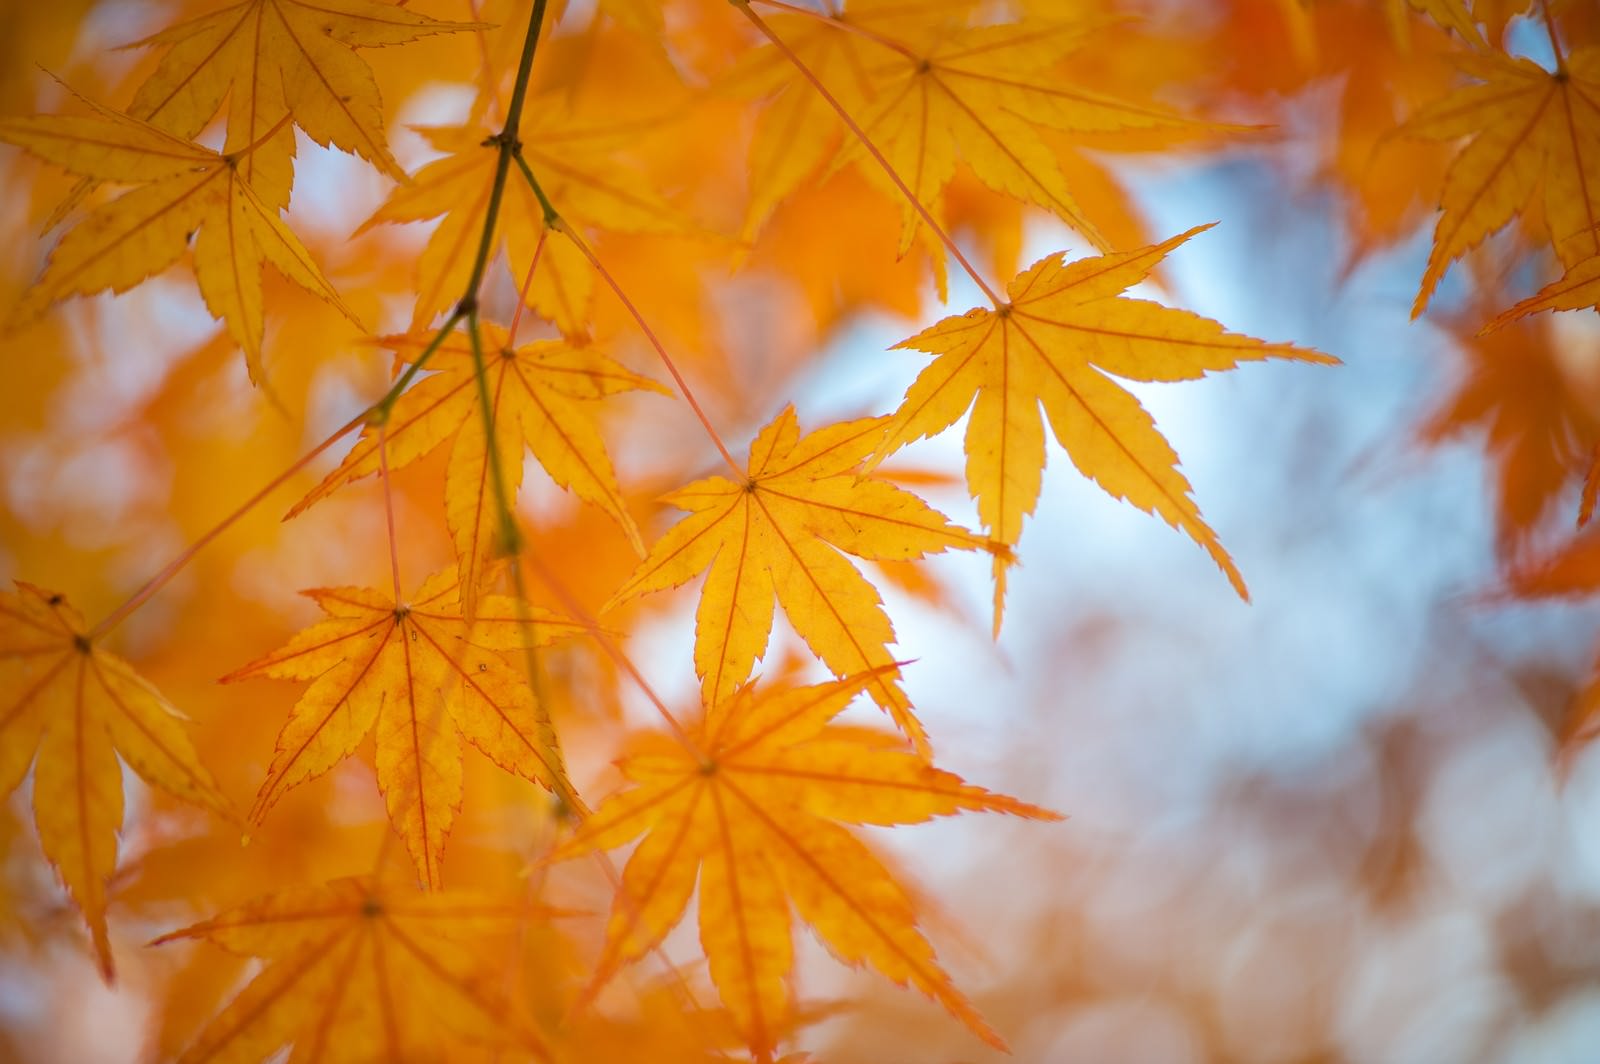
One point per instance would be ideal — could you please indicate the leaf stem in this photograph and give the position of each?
(527, 286)
(250, 148)
(172, 568)
(871, 148)
(839, 23)
(554, 221)
(575, 609)
(388, 508)
(1555, 42)
(376, 413)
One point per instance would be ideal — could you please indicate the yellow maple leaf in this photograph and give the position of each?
(1059, 341)
(577, 161)
(980, 94)
(358, 970)
(542, 395)
(753, 812)
(422, 677)
(184, 190)
(777, 538)
(273, 58)
(1533, 132)
(79, 707)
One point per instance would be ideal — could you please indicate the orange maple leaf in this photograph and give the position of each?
(753, 811)
(1059, 340)
(281, 57)
(1533, 132)
(423, 676)
(80, 707)
(184, 190)
(361, 970)
(542, 395)
(777, 538)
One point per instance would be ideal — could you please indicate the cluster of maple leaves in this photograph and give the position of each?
(577, 199)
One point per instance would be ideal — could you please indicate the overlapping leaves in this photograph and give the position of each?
(753, 812)
(542, 395)
(183, 191)
(778, 537)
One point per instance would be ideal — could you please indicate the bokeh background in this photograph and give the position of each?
(1334, 824)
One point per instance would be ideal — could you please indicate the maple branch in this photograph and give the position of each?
(871, 148)
(507, 144)
(510, 538)
(553, 220)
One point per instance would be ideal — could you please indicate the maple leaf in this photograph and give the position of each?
(542, 395)
(184, 190)
(1533, 132)
(577, 162)
(1539, 411)
(361, 970)
(1059, 341)
(422, 676)
(281, 57)
(777, 538)
(753, 811)
(79, 707)
(944, 92)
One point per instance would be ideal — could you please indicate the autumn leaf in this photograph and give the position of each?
(1533, 132)
(361, 970)
(930, 92)
(1058, 341)
(777, 538)
(420, 676)
(577, 158)
(1538, 411)
(543, 396)
(184, 190)
(80, 707)
(273, 58)
(754, 812)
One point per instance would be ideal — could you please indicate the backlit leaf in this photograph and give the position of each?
(80, 707)
(754, 813)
